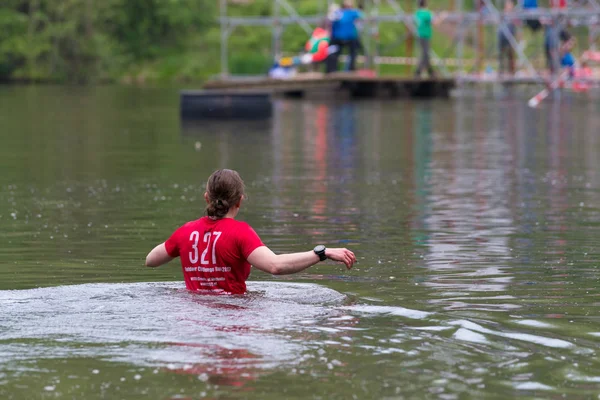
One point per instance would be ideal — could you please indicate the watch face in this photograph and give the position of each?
(319, 248)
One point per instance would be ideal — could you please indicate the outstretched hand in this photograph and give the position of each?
(341, 255)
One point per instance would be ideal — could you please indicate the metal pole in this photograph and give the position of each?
(224, 39)
(480, 51)
(276, 32)
(556, 27)
(367, 32)
(461, 42)
(375, 52)
(410, 40)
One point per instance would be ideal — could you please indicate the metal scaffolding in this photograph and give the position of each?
(467, 24)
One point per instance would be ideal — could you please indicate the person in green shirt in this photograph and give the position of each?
(424, 20)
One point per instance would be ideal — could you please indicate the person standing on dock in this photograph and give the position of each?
(533, 23)
(557, 42)
(567, 61)
(344, 33)
(424, 20)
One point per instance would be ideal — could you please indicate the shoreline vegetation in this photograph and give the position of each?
(163, 42)
(144, 41)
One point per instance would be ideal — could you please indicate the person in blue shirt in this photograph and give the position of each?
(533, 23)
(557, 43)
(344, 34)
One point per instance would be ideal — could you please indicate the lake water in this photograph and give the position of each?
(475, 222)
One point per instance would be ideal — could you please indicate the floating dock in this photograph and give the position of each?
(251, 98)
(225, 105)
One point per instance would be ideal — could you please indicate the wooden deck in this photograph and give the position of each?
(354, 85)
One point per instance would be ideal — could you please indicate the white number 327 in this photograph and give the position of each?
(208, 237)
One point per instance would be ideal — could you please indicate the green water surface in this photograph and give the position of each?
(475, 222)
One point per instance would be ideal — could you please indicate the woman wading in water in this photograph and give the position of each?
(217, 251)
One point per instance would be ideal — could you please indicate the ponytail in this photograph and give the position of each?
(224, 189)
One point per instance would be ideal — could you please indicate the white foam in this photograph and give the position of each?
(158, 323)
(576, 376)
(544, 341)
(531, 386)
(398, 311)
(534, 323)
(469, 336)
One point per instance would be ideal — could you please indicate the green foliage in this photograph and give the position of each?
(86, 40)
(13, 41)
(168, 40)
(146, 27)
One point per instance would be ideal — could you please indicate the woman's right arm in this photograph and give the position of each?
(283, 264)
(158, 256)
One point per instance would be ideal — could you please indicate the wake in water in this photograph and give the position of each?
(160, 323)
(298, 326)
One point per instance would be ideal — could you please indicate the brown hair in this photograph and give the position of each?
(224, 189)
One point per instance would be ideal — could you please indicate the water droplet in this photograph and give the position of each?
(203, 377)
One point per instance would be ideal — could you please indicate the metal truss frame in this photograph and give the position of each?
(587, 13)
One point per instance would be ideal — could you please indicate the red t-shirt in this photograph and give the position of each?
(214, 253)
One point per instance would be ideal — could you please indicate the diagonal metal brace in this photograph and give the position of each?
(294, 14)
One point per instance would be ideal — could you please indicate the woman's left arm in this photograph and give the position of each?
(158, 256)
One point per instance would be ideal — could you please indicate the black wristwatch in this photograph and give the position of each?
(320, 251)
